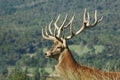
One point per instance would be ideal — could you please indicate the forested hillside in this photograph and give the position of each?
(21, 43)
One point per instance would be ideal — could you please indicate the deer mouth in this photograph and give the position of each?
(47, 55)
(56, 56)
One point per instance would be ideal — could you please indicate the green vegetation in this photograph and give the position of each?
(18, 76)
(22, 45)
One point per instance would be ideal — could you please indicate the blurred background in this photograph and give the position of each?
(22, 46)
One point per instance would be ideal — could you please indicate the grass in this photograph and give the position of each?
(30, 69)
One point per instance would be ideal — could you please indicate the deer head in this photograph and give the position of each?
(59, 40)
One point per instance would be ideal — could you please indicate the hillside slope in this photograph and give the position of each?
(21, 22)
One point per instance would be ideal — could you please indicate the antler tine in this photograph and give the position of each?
(84, 16)
(49, 26)
(96, 20)
(88, 19)
(46, 31)
(55, 31)
(55, 24)
(71, 32)
(62, 26)
(70, 22)
(46, 36)
(100, 19)
(64, 21)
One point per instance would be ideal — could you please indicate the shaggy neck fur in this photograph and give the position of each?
(66, 63)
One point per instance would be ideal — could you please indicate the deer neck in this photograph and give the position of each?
(66, 62)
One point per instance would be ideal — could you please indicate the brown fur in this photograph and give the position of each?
(69, 67)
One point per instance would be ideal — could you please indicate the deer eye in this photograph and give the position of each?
(58, 47)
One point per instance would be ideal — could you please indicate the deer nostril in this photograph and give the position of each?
(45, 53)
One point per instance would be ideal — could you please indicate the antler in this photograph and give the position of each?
(60, 29)
(86, 24)
(52, 35)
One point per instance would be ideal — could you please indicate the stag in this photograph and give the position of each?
(67, 66)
